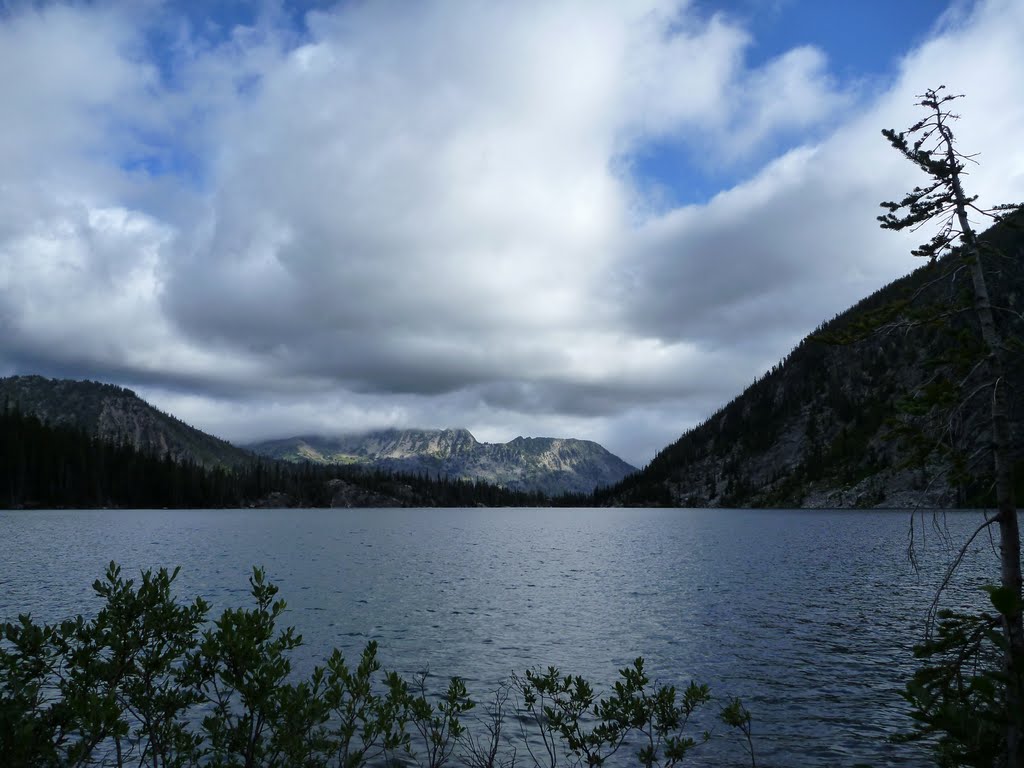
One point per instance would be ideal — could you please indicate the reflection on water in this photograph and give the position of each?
(808, 616)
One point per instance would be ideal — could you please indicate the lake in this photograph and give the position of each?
(808, 616)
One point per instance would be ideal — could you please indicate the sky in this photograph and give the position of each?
(599, 219)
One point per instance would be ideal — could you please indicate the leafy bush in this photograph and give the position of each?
(150, 681)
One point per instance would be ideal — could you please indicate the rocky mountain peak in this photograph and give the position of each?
(550, 465)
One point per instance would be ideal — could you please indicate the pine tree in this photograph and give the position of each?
(930, 144)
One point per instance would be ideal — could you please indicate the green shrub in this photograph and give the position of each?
(150, 681)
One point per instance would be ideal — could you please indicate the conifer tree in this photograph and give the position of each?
(930, 144)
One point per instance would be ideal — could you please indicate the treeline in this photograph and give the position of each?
(54, 466)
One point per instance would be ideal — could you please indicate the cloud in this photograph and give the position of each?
(425, 204)
(427, 216)
(64, 71)
(762, 263)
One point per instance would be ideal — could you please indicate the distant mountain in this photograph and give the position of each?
(48, 466)
(117, 415)
(821, 429)
(550, 465)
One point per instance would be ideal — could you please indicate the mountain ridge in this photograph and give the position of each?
(117, 415)
(825, 427)
(549, 465)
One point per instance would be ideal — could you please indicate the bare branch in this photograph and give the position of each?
(951, 570)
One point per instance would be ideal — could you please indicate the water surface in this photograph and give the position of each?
(808, 616)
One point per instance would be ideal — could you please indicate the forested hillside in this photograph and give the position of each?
(839, 422)
(44, 466)
(117, 415)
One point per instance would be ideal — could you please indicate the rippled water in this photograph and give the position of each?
(808, 616)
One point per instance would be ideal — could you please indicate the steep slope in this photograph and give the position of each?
(118, 416)
(545, 464)
(821, 429)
